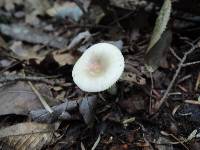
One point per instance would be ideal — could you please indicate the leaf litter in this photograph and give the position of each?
(27, 135)
(41, 41)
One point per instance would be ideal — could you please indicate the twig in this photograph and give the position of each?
(197, 82)
(82, 146)
(129, 120)
(174, 53)
(42, 100)
(152, 87)
(191, 63)
(184, 78)
(96, 142)
(4, 79)
(173, 136)
(194, 102)
(163, 99)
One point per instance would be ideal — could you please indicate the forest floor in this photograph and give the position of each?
(42, 108)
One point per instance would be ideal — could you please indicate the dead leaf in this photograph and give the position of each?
(133, 104)
(157, 54)
(18, 98)
(133, 78)
(25, 53)
(24, 136)
(68, 9)
(161, 23)
(86, 108)
(34, 8)
(60, 112)
(82, 36)
(64, 58)
(37, 7)
(27, 34)
(9, 5)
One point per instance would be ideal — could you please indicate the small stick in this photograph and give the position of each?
(151, 92)
(173, 136)
(192, 102)
(191, 63)
(174, 53)
(42, 100)
(96, 142)
(184, 78)
(197, 82)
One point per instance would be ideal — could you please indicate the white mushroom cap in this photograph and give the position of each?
(98, 68)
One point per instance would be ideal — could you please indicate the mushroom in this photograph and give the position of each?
(100, 66)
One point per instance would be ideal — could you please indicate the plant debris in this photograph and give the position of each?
(27, 135)
(154, 104)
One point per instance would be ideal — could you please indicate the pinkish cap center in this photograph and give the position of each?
(95, 68)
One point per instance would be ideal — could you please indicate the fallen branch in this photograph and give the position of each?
(181, 64)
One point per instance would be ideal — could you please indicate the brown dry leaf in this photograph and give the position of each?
(133, 78)
(65, 58)
(24, 136)
(133, 104)
(18, 98)
(25, 53)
